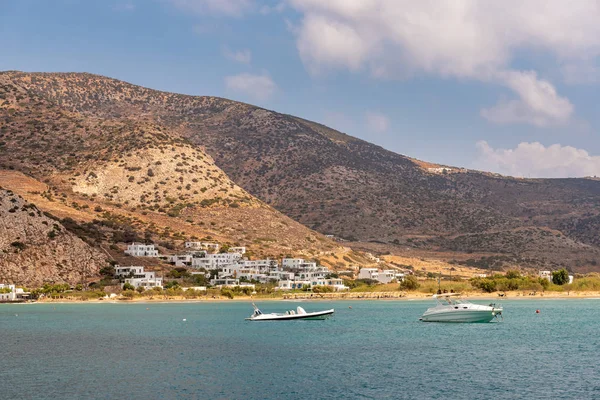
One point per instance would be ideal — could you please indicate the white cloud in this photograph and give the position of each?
(241, 56)
(538, 102)
(339, 45)
(232, 8)
(258, 87)
(538, 161)
(465, 39)
(377, 122)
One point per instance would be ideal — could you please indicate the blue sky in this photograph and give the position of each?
(511, 89)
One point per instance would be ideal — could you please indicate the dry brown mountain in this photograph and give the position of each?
(116, 179)
(327, 180)
(35, 249)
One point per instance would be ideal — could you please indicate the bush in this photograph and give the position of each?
(487, 285)
(513, 274)
(178, 272)
(19, 246)
(108, 271)
(171, 285)
(560, 277)
(128, 286)
(322, 289)
(410, 282)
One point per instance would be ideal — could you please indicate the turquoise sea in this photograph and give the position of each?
(376, 349)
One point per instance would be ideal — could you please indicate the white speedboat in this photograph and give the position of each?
(299, 313)
(451, 307)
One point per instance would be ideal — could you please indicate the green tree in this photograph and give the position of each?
(108, 271)
(487, 285)
(560, 277)
(172, 284)
(409, 282)
(140, 289)
(513, 274)
(128, 286)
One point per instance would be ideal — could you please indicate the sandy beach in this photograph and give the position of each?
(408, 296)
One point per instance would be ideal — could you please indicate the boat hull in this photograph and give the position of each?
(287, 317)
(461, 316)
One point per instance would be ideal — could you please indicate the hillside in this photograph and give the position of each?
(324, 179)
(35, 249)
(116, 179)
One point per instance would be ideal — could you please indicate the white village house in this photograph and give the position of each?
(228, 268)
(12, 292)
(137, 277)
(215, 261)
(202, 246)
(385, 276)
(335, 283)
(141, 250)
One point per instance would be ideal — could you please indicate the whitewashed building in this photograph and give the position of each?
(239, 249)
(136, 276)
(215, 261)
(182, 260)
(202, 246)
(12, 292)
(224, 282)
(297, 264)
(292, 263)
(259, 270)
(141, 250)
(335, 283)
(385, 276)
(546, 275)
(369, 273)
(313, 273)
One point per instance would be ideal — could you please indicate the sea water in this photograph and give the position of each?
(368, 349)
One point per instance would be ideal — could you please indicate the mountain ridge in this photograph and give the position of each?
(337, 184)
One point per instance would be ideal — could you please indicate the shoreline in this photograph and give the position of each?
(351, 296)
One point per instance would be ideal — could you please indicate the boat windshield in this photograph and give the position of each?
(451, 301)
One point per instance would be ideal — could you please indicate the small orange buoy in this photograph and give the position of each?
(537, 311)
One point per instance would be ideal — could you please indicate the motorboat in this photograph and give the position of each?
(299, 313)
(451, 307)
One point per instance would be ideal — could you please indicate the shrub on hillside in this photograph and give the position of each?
(409, 282)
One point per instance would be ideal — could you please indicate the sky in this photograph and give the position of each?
(505, 86)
